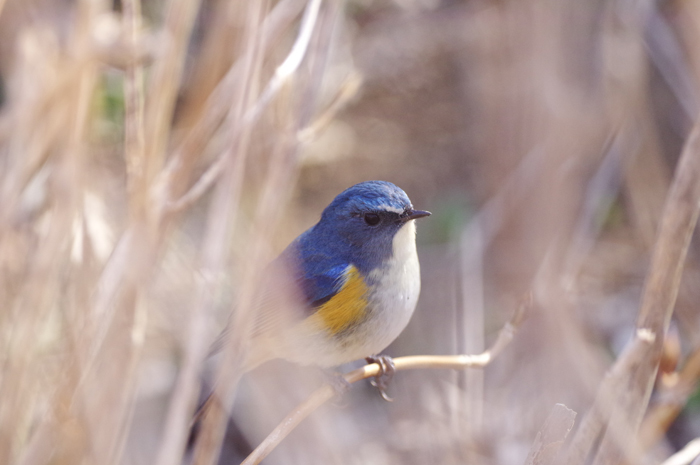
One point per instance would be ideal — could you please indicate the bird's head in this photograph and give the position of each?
(368, 216)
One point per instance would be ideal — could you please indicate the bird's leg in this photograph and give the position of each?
(385, 375)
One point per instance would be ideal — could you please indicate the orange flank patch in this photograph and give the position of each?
(347, 307)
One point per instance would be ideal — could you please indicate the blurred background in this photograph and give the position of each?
(155, 153)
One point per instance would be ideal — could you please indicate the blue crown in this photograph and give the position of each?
(369, 196)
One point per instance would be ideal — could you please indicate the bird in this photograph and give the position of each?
(346, 287)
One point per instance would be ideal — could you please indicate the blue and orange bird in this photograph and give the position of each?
(357, 278)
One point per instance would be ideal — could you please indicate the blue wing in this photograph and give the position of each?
(319, 275)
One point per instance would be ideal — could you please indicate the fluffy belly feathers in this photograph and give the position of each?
(365, 316)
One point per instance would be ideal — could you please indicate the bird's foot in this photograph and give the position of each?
(385, 375)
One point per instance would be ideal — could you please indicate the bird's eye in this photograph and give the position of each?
(372, 219)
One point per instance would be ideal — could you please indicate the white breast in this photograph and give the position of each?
(397, 291)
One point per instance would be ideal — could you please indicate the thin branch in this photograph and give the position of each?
(595, 419)
(348, 90)
(165, 81)
(670, 402)
(280, 177)
(552, 435)
(326, 392)
(628, 385)
(222, 214)
(667, 53)
(686, 455)
(218, 104)
(132, 320)
(282, 74)
(134, 139)
(660, 292)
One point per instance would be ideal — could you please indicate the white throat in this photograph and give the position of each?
(398, 288)
(404, 243)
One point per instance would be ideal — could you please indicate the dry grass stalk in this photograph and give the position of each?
(551, 437)
(278, 183)
(671, 401)
(661, 289)
(169, 188)
(120, 232)
(226, 198)
(106, 305)
(628, 394)
(685, 456)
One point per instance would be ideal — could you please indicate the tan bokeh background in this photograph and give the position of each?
(542, 135)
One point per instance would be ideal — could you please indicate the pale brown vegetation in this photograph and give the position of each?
(155, 155)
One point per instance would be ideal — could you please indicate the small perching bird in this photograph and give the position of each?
(344, 289)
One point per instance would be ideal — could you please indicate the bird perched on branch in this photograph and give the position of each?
(345, 288)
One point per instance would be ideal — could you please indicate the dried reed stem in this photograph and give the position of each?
(685, 456)
(671, 402)
(134, 138)
(222, 214)
(660, 291)
(282, 74)
(552, 435)
(165, 82)
(628, 386)
(279, 180)
(218, 105)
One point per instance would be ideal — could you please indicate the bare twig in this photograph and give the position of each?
(661, 289)
(222, 213)
(165, 80)
(667, 52)
(552, 435)
(348, 91)
(670, 402)
(326, 392)
(629, 384)
(218, 105)
(134, 140)
(134, 308)
(282, 74)
(279, 180)
(685, 455)
(595, 419)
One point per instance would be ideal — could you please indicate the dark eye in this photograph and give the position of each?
(372, 219)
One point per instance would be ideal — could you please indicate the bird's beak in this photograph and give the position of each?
(413, 215)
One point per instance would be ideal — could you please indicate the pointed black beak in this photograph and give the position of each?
(411, 214)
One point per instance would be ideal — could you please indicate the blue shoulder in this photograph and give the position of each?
(319, 270)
